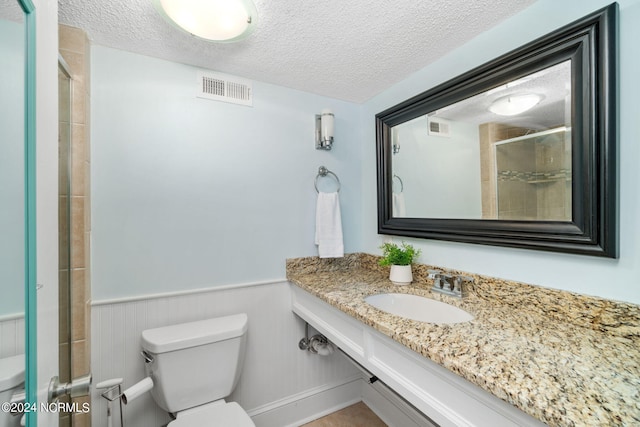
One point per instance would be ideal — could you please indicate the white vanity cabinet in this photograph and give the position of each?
(446, 398)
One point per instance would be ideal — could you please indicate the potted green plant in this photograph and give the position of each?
(400, 259)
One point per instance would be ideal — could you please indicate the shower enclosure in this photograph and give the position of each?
(533, 176)
(64, 228)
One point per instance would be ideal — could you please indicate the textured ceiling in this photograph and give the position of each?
(350, 50)
(553, 84)
(11, 11)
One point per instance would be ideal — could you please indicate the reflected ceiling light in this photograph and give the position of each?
(215, 20)
(512, 105)
(509, 85)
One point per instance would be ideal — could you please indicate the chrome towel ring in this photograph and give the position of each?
(401, 183)
(322, 171)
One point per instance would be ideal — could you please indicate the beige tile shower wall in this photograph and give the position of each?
(74, 47)
(554, 198)
(517, 199)
(487, 170)
(490, 133)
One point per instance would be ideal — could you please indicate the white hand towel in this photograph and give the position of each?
(329, 226)
(399, 208)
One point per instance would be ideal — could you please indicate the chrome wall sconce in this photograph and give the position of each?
(324, 130)
(395, 141)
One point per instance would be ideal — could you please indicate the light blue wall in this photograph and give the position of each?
(426, 159)
(614, 279)
(12, 167)
(190, 193)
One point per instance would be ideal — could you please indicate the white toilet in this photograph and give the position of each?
(11, 380)
(194, 366)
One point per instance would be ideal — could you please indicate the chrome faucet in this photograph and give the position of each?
(448, 284)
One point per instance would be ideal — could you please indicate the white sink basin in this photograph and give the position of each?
(419, 308)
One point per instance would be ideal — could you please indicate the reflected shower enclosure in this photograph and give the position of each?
(532, 177)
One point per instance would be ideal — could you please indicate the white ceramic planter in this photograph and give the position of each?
(401, 274)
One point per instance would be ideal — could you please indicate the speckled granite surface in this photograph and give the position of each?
(566, 359)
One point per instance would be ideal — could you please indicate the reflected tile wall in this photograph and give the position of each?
(524, 180)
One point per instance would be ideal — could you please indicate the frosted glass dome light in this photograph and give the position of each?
(512, 105)
(215, 20)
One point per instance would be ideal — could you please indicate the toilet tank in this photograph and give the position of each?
(195, 363)
(11, 380)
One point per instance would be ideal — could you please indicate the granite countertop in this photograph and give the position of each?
(566, 359)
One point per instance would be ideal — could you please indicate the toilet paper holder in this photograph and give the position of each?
(112, 392)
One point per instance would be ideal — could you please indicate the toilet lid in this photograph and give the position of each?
(214, 415)
(11, 372)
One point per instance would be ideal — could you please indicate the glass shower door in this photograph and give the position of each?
(533, 176)
(64, 229)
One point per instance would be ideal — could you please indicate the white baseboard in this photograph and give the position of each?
(313, 404)
(390, 408)
(308, 406)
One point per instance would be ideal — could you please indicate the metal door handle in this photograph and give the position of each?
(80, 386)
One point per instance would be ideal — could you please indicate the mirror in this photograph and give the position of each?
(497, 165)
(12, 175)
(518, 152)
(17, 216)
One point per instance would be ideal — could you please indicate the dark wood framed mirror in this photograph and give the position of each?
(519, 152)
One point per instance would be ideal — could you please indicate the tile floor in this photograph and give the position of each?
(358, 415)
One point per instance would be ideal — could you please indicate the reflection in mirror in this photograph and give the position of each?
(12, 214)
(502, 154)
(518, 152)
(12, 202)
(533, 174)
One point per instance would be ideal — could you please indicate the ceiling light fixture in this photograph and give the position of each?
(512, 105)
(214, 20)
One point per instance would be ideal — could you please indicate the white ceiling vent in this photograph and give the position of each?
(439, 127)
(225, 88)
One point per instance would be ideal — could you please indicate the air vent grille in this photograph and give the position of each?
(225, 88)
(439, 127)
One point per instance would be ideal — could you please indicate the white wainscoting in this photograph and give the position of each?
(11, 335)
(277, 376)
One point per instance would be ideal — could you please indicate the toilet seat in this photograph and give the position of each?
(213, 415)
